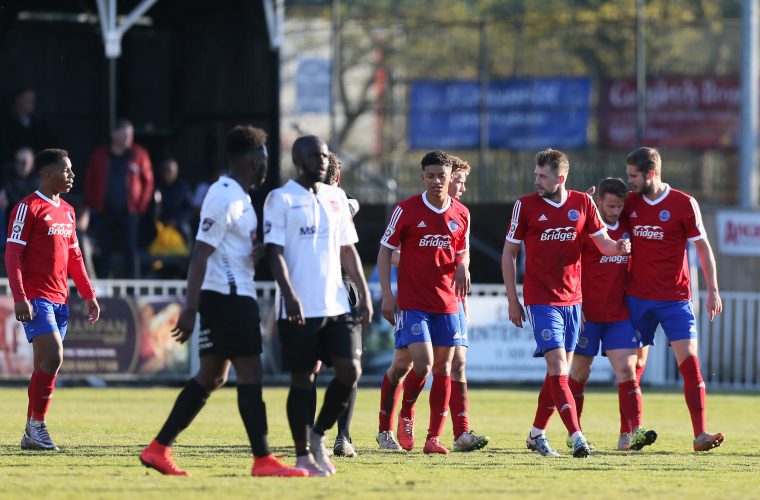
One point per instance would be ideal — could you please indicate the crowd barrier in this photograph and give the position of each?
(133, 341)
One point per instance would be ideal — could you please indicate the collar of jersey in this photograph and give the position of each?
(233, 182)
(432, 207)
(555, 204)
(613, 226)
(298, 185)
(658, 200)
(48, 199)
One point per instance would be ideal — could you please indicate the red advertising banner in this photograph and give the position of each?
(132, 337)
(695, 112)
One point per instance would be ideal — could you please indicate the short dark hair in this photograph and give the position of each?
(613, 185)
(645, 159)
(48, 157)
(556, 159)
(243, 139)
(122, 123)
(333, 168)
(436, 158)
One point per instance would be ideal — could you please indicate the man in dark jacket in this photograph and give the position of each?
(118, 190)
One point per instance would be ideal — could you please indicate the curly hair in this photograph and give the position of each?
(436, 158)
(243, 139)
(333, 169)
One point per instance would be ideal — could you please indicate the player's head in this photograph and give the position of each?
(611, 198)
(122, 134)
(643, 166)
(333, 170)
(552, 167)
(436, 173)
(460, 169)
(54, 168)
(247, 152)
(311, 158)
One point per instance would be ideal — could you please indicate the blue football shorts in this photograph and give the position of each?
(675, 316)
(440, 329)
(554, 327)
(610, 335)
(47, 317)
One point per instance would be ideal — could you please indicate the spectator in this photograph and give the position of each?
(118, 190)
(22, 127)
(175, 208)
(20, 180)
(202, 188)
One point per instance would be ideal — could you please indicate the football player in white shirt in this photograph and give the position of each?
(220, 286)
(310, 236)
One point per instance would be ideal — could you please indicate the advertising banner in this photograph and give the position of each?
(522, 113)
(738, 232)
(694, 112)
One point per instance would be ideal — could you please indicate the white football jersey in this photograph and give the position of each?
(228, 223)
(312, 228)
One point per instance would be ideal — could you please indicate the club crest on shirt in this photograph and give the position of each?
(626, 236)
(664, 216)
(453, 226)
(206, 224)
(335, 206)
(573, 214)
(17, 227)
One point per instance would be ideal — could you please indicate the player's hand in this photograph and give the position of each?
(623, 246)
(259, 251)
(185, 325)
(714, 304)
(294, 309)
(388, 308)
(23, 310)
(461, 280)
(516, 314)
(365, 311)
(94, 308)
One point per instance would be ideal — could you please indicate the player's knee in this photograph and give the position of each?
(442, 368)
(349, 373)
(457, 369)
(53, 360)
(422, 369)
(626, 374)
(396, 373)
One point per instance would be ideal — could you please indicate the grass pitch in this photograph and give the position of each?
(101, 432)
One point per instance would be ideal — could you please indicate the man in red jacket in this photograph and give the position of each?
(118, 188)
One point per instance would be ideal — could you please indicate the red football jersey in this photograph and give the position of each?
(604, 278)
(46, 229)
(659, 232)
(552, 247)
(430, 239)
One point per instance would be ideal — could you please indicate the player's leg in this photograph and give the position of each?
(440, 393)
(459, 405)
(211, 375)
(623, 362)
(642, 353)
(580, 371)
(313, 401)
(343, 446)
(340, 341)
(413, 332)
(390, 391)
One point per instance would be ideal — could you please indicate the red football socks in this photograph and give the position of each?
(545, 408)
(694, 393)
(629, 395)
(563, 400)
(440, 394)
(40, 392)
(389, 394)
(577, 389)
(459, 405)
(413, 386)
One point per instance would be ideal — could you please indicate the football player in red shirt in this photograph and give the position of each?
(551, 223)
(663, 220)
(433, 230)
(42, 252)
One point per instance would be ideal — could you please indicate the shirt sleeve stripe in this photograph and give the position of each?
(21, 212)
(513, 224)
(698, 219)
(16, 240)
(392, 226)
(74, 245)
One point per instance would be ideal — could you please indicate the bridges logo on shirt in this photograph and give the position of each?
(649, 232)
(307, 231)
(613, 259)
(60, 229)
(559, 234)
(436, 241)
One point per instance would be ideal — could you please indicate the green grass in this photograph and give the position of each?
(101, 432)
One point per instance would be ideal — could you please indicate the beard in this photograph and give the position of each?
(548, 194)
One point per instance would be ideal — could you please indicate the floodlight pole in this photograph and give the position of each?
(112, 33)
(748, 173)
(641, 74)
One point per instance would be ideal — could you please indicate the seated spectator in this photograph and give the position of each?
(175, 203)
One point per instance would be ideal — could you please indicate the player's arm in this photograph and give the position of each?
(509, 274)
(352, 264)
(709, 269)
(19, 229)
(293, 307)
(388, 305)
(78, 273)
(195, 274)
(608, 246)
(462, 274)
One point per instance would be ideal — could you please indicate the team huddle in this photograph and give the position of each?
(598, 276)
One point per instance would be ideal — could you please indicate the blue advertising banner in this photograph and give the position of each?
(313, 80)
(522, 113)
